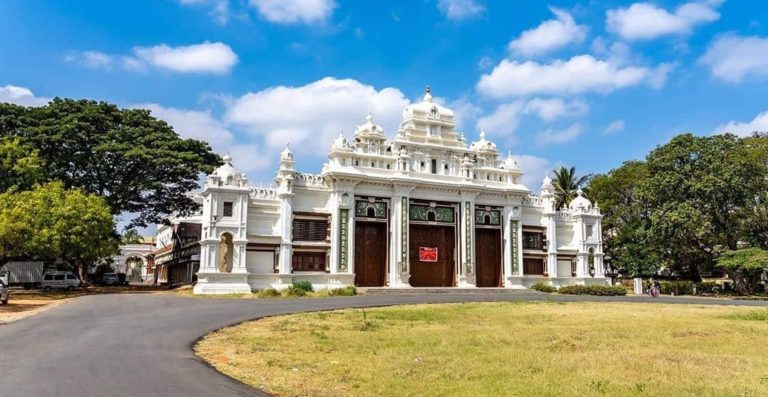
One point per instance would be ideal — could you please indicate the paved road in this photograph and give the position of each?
(141, 344)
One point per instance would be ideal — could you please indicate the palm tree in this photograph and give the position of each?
(566, 184)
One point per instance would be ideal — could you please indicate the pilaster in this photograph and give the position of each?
(466, 271)
(399, 267)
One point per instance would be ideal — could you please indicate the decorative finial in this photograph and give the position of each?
(482, 134)
(227, 159)
(579, 192)
(369, 117)
(428, 95)
(509, 153)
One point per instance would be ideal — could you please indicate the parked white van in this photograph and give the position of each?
(60, 280)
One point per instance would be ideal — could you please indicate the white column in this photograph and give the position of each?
(334, 201)
(286, 232)
(399, 268)
(552, 244)
(508, 216)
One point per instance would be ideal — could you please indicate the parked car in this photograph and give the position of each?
(110, 279)
(59, 280)
(4, 288)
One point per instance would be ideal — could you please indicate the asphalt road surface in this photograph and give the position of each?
(141, 344)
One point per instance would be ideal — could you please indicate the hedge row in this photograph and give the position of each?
(601, 290)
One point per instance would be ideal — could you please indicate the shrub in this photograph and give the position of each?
(676, 287)
(293, 290)
(268, 293)
(346, 291)
(708, 287)
(541, 287)
(303, 285)
(600, 290)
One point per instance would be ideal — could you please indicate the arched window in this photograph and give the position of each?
(431, 216)
(371, 212)
(434, 166)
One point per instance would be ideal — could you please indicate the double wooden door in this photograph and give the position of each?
(370, 254)
(488, 257)
(428, 270)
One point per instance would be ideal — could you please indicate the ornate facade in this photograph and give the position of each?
(424, 209)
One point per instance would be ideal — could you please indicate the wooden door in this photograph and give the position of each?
(488, 257)
(429, 273)
(533, 266)
(370, 254)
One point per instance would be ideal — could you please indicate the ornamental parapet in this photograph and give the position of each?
(264, 193)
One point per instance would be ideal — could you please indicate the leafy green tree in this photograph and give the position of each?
(136, 162)
(51, 222)
(754, 218)
(626, 219)
(744, 267)
(566, 184)
(20, 167)
(696, 186)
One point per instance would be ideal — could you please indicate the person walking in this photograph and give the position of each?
(656, 288)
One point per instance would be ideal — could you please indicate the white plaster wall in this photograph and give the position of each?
(310, 201)
(563, 268)
(532, 217)
(260, 262)
(263, 223)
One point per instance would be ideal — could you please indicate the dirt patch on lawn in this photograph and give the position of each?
(16, 309)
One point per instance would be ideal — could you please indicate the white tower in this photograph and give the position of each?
(224, 237)
(550, 219)
(588, 232)
(285, 180)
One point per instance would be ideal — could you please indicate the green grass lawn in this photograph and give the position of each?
(501, 349)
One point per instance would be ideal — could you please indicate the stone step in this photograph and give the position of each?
(444, 290)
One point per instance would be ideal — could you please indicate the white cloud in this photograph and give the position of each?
(460, 9)
(294, 11)
(251, 158)
(731, 57)
(561, 136)
(741, 128)
(555, 108)
(195, 124)
(96, 60)
(644, 21)
(218, 9)
(310, 116)
(549, 35)
(614, 126)
(206, 57)
(582, 73)
(535, 168)
(21, 96)
(504, 119)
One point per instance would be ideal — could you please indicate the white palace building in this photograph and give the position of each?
(423, 209)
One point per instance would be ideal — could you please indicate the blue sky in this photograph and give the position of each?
(583, 83)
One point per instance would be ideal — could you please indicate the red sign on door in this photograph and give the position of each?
(428, 254)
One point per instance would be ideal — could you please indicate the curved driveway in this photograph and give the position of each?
(141, 344)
